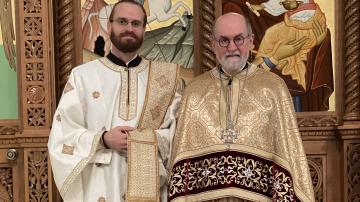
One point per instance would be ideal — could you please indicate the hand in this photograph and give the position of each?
(289, 48)
(254, 8)
(257, 7)
(116, 138)
(319, 31)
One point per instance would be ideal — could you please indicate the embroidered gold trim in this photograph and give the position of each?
(160, 91)
(129, 76)
(67, 149)
(143, 167)
(68, 87)
(80, 166)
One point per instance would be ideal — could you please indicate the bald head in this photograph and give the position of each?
(232, 20)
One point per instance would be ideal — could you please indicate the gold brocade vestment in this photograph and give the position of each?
(266, 162)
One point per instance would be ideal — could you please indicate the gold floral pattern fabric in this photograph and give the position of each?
(268, 141)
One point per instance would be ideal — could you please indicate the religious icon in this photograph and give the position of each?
(171, 43)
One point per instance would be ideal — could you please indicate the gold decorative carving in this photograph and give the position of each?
(9, 130)
(35, 94)
(32, 6)
(36, 116)
(318, 133)
(316, 167)
(353, 172)
(9, 127)
(6, 186)
(321, 120)
(33, 26)
(349, 132)
(68, 87)
(30, 140)
(352, 60)
(38, 176)
(65, 41)
(34, 72)
(207, 19)
(34, 49)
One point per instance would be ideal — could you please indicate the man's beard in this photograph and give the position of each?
(127, 45)
(234, 66)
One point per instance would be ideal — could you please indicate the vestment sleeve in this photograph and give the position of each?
(71, 145)
(289, 139)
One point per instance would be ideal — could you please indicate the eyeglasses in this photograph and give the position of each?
(124, 22)
(238, 40)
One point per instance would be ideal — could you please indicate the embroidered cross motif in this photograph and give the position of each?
(67, 149)
(68, 87)
(58, 117)
(162, 81)
(230, 134)
(155, 112)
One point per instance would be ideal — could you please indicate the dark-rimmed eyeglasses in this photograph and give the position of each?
(238, 40)
(124, 22)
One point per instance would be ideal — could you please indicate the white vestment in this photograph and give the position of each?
(101, 95)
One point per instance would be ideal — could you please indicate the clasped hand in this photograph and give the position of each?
(116, 138)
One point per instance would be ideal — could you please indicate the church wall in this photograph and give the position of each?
(8, 89)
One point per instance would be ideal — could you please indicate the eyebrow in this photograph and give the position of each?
(239, 35)
(124, 18)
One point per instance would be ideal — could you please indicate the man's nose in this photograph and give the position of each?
(129, 27)
(232, 46)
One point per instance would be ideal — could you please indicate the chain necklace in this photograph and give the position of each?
(230, 133)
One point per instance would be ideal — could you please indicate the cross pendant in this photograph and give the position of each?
(229, 134)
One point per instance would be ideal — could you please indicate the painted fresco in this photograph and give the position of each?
(8, 81)
(294, 39)
(168, 32)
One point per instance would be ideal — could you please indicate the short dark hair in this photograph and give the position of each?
(131, 2)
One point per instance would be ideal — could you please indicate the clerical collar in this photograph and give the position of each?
(133, 63)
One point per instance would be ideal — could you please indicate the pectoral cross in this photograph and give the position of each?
(229, 134)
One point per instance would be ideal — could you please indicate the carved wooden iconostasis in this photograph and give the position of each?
(48, 46)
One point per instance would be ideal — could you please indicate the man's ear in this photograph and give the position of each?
(108, 26)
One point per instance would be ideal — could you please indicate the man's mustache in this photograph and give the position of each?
(132, 34)
(236, 53)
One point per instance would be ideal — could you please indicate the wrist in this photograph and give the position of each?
(270, 63)
(103, 140)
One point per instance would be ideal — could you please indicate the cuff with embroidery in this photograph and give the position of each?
(269, 63)
(102, 144)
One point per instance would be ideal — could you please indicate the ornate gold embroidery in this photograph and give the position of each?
(102, 199)
(68, 87)
(155, 112)
(143, 171)
(231, 170)
(162, 81)
(96, 94)
(80, 166)
(129, 87)
(67, 149)
(58, 117)
(156, 94)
